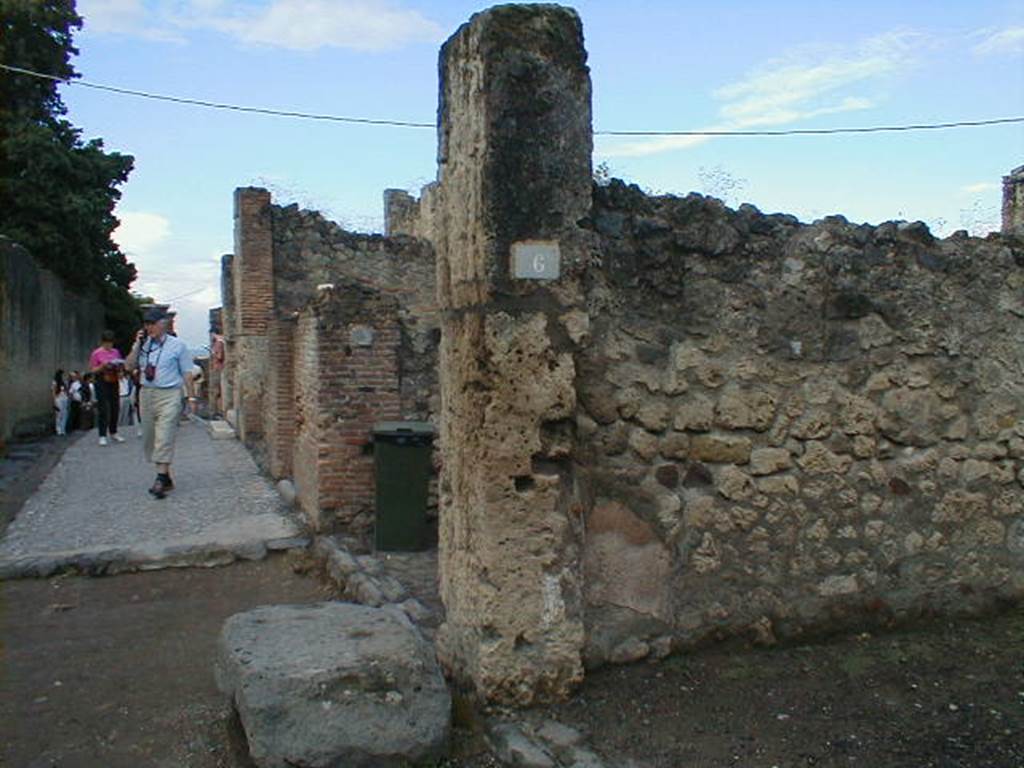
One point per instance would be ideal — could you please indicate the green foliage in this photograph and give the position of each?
(58, 193)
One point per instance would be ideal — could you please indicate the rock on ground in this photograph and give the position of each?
(334, 684)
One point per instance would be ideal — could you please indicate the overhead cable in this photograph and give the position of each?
(410, 124)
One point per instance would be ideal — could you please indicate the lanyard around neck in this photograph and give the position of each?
(160, 351)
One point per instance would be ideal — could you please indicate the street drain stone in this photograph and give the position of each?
(332, 684)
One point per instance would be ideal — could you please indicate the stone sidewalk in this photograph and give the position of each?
(93, 512)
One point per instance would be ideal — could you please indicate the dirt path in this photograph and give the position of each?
(118, 671)
(945, 695)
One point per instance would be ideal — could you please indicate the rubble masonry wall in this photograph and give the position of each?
(790, 427)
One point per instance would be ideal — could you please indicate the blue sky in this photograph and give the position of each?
(655, 66)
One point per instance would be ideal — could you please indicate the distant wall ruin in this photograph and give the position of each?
(1013, 202)
(327, 333)
(662, 421)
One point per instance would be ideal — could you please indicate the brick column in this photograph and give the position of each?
(346, 349)
(253, 276)
(279, 417)
(515, 147)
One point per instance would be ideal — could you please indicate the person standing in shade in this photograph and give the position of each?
(105, 362)
(166, 366)
(74, 402)
(125, 390)
(60, 403)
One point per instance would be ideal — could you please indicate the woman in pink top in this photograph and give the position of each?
(105, 361)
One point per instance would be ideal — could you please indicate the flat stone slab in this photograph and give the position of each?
(93, 512)
(334, 684)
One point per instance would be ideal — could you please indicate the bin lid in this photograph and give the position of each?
(403, 428)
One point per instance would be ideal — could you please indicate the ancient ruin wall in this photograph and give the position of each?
(787, 427)
(1013, 203)
(310, 251)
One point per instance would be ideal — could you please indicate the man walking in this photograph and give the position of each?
(166, 366)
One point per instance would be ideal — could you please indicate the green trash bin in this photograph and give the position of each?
(402, 457)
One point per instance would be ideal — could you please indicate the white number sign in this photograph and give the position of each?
(536, 260)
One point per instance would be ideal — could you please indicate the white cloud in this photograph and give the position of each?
(365, 25)
(805, 83)
(140, 232)
(124, 17)
(1005, 41)
(979, 188)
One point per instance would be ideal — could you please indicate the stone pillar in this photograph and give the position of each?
(1013, 202)
(253, 275)
(228, 323)
(514, 154)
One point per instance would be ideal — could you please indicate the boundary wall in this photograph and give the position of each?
(43, 327)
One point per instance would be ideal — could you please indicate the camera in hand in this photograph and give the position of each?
(150, 372)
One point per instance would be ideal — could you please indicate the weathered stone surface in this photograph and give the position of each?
(696, 414)
(624, 562)
(333, 684)
(734, 484)
(745, 409)
(509, 553)
(911, 417)
(514, 748)
(720, 448)
(767, 461)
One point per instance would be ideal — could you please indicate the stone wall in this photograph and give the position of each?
(43, 327)
(790, 427)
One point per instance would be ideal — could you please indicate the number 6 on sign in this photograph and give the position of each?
(535, 260)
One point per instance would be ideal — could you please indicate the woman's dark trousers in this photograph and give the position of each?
(108, 396)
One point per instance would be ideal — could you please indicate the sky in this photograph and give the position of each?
(733, 64)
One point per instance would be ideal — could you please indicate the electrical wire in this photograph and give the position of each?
(410, 124)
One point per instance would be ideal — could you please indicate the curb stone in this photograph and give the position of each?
(552, 745)
(362, 579)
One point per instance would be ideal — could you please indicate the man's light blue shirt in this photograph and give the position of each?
(170, 357)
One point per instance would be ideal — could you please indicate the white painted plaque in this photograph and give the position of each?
(536, 260)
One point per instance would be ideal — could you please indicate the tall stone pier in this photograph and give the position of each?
(253, 292)
(515, 177)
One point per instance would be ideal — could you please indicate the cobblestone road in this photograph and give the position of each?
(93, 511)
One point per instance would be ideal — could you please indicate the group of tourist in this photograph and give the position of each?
(80, 403)
(118, 391)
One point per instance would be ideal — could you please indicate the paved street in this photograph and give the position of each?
(93, 510)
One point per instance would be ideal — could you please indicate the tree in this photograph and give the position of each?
(58, 193)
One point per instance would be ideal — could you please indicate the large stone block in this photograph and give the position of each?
(334, 684)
